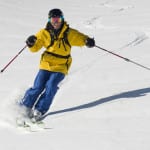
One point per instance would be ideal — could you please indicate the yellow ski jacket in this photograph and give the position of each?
(57, 58)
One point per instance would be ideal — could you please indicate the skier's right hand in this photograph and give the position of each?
(31, 40)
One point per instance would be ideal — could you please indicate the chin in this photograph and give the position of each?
(56, 28)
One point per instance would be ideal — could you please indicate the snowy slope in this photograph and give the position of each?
(104, 101)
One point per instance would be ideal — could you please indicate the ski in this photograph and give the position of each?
(30, 126)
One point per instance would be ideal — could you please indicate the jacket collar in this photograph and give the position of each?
(58, 33)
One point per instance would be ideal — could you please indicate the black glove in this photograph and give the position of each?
(90, 42)
(31, 40)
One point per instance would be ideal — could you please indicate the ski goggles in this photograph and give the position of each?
(55, 19)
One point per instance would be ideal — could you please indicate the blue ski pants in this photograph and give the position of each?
(45, 86)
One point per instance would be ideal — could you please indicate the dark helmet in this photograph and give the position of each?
(55, 13)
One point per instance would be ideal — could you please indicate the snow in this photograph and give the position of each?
(104, 101)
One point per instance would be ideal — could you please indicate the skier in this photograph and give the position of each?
(57, 38)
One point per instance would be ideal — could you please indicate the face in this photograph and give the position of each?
(56, 22)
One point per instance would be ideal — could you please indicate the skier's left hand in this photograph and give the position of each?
(90, 42)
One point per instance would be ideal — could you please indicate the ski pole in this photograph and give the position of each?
(126, 59)
(13, 58)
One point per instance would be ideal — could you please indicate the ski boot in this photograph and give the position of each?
(37, 116)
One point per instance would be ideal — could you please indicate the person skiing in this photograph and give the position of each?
(57, 38)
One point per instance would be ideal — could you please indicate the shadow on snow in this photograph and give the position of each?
(128, 94)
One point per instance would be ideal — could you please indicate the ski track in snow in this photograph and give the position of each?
(138, 40)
